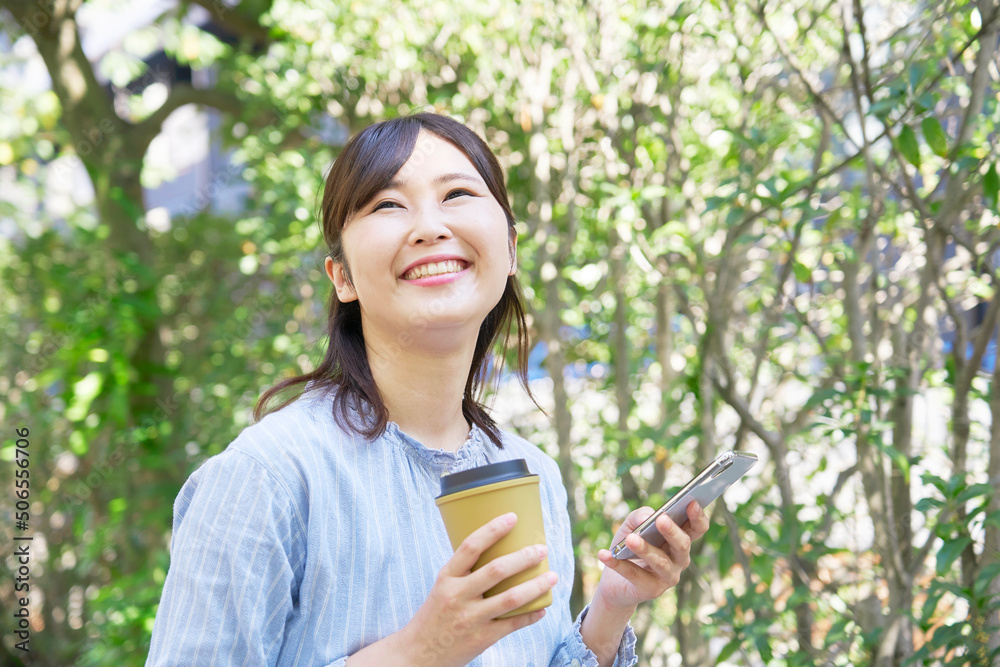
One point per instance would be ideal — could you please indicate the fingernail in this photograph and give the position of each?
(509, 518)
(553, 578)
(542, 550)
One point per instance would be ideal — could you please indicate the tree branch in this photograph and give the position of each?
(979, 344)
(980, 78)
(232, 21)
(738, 550)
(921, 558)
(824, 530)
(145, 131)
(770, 438)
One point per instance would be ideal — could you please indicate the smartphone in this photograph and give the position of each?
(706, 487)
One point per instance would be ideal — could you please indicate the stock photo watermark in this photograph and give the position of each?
(21, 548)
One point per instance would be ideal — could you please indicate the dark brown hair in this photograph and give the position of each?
(366, 166)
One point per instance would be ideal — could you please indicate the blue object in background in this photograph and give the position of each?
(989, 357)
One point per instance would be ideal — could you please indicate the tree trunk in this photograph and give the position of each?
(622, 364)
(693, 646)
(664, 354)
(870, 459)
(991, 550)
(901, 417)
(555, 364)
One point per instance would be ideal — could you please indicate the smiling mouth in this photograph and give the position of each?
(435, 269)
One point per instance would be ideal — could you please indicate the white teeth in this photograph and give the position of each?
(433, 269)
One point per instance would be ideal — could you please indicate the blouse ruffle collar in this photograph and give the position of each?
(471, 454)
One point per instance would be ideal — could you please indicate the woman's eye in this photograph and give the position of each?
(387, 203)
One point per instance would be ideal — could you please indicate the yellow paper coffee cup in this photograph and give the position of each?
(471, 498)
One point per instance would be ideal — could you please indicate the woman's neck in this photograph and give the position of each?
(423, 389)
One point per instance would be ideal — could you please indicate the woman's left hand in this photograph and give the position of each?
(624, 584)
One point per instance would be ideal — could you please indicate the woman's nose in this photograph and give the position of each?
(429, 226)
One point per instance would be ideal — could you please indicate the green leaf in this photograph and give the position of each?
(925, 102)
(935, 136)
(729, 649)
(726, 556)
(948, 635)
(84, 392)
(882, 107)
(954, 589)
(802, 272)
(975, 491)
(985, 578)
(763, 566)
(991, 184)
(916, 73)
(837, 631)
(930, 604)
(651, 192)
(955, 484)
(800, 595)
(764, 648)
(925, 504)
(950, 550)
(832, 219)
(907, 143)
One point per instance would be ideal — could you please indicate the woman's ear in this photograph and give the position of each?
(513, 251)
(340, 276)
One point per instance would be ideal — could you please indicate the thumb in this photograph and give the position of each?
(635, 519)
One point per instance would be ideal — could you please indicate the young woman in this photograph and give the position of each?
(313, 539)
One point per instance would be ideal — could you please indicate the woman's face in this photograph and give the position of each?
(429, 253)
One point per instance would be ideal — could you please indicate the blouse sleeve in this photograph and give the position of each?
(237, 545)
(572, 651)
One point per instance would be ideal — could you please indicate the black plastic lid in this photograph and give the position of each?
(488, 474)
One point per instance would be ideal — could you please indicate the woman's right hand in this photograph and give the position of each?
(456, 623)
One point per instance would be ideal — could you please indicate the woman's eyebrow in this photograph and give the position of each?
(443, 178)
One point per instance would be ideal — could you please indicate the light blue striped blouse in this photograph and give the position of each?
(300, 544)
